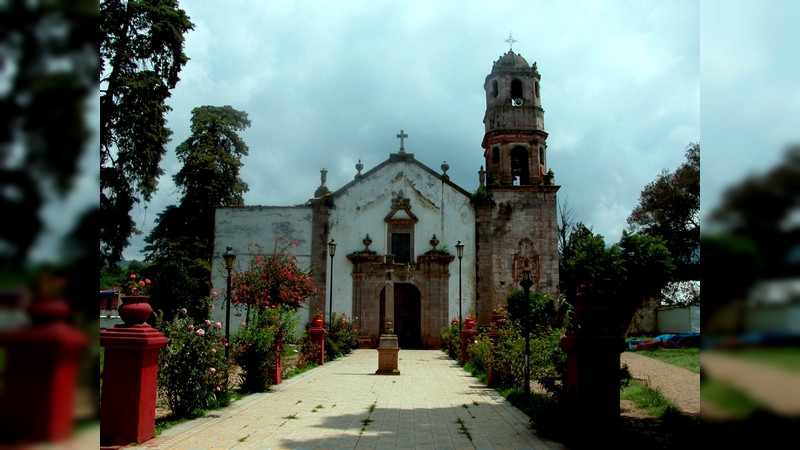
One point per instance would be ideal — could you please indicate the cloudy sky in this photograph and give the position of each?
(328, 83)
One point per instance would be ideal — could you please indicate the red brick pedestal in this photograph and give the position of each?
(128, 402)
(317, 336)
(39, 374)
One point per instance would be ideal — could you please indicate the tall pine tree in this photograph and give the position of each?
(183, 238)
(141, 51)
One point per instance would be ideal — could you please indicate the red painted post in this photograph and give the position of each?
(38, 376)
(277, 369)
(317, 335)
(128, 402)
(468, 335)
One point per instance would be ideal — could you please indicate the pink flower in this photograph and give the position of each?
(213, 370)
(191, 327)
(219, 324)
(215, 294)
(132, 276)
(200, 331)
(183, 310)
(208, 322)
(219, 388)
(147, 280)
(213, 350)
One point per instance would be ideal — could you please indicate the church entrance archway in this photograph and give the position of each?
(407, 315)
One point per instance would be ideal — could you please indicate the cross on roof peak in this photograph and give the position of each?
(510, 41)
(402, 136)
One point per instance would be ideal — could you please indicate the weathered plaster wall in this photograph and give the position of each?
(263, 225)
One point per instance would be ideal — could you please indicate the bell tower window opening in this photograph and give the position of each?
(496, 155)
(494, 89)
(541, 156)
(520, 170)
(536, 89)
(516, 89)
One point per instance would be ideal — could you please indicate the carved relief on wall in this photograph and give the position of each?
(526, 259)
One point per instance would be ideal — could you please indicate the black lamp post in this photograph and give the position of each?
(460, 253)
(331, 251)
(526, 284)
(227, 260)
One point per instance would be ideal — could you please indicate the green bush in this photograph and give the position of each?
(341, 336)
(451, 341)
(193, 371)
(254, 345)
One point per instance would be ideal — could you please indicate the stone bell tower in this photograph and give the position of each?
(516, 227)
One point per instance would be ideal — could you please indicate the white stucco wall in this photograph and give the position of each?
(264, 225)
(441, 209)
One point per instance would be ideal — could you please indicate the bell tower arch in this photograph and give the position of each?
(514, 124)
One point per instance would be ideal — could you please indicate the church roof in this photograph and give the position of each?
(399, 158)
(511, 60)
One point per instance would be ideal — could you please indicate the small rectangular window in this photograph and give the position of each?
(401, 247)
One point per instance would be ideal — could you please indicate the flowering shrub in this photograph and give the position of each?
(273, 280)
(193, 371)
(136, 285)
(254, 345)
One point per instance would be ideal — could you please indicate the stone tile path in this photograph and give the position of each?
(433, 403)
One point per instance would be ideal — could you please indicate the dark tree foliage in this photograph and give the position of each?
(211, 156)
(764, 209)
(51, 48)
(141, 53)
(669, 207)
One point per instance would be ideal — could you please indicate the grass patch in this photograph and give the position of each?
(687, 358)
(291, 417)
(648, 398)
(293, 372)
(463, 429)
(787, 358)
(167, 422)
(481, 376)
(733, 401)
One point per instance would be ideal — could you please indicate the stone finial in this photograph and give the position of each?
(434, 242)
(322, 189)
(367, 241)
(482, 177)
(445, 167)
(359, 168)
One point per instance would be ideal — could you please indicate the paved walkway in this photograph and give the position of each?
(433, 403)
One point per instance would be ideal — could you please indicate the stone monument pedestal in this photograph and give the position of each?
(387, 355)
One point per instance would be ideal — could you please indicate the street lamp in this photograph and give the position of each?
(331, 251)
(460, 253)
(526, 284)
(227, 260)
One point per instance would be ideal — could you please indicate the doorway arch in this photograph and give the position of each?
(407, 315)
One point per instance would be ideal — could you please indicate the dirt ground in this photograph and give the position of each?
(680, 386)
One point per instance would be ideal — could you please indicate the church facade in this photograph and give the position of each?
(396, 226)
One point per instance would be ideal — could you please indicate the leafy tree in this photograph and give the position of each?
(669, 207)
(619, 277)
(141, 49)
(48, 71)
(209, 178)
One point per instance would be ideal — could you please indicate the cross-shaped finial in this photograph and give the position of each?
(402, 136)
(510, 41)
